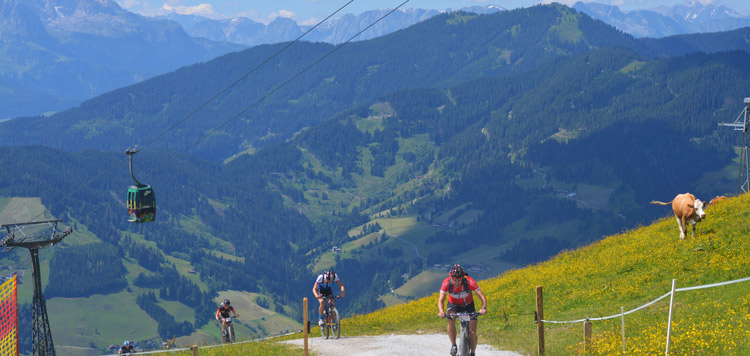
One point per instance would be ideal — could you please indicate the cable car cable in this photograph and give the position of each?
(253, 104)
(273, 91)
(243, 77)
(192, 112)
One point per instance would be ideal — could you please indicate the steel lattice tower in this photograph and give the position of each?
(41, 335)
(741, 124)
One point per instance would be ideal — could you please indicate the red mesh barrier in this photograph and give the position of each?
(8, 318)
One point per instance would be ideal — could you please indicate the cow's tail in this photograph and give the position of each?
(661, 203)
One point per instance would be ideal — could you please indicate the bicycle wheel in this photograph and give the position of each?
(225, 336)
(336, 324)
(328, 325)
(231, 333)
(464, 345)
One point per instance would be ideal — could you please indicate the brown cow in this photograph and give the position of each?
(716, 200)
(686, 209)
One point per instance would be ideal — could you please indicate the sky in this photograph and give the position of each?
(307, 12)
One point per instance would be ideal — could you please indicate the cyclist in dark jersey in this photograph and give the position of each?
(126, 348)
(223, 313)
(459, 287)
(322, 287)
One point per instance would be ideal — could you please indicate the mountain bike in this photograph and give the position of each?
(464, 337)
(331, 321)
(228, 335)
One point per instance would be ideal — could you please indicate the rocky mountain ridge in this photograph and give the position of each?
(663, 21)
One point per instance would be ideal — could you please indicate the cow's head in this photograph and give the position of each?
(698, 206)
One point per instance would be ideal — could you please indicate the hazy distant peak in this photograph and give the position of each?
(487, 9)
(599, 9)
(690, 17)
(72, 8)
(97, 17)
(695, 11)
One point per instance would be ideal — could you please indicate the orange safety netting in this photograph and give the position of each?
(8, 318)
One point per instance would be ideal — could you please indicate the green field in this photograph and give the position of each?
(78, 321)
(22, 210)
(423, 284)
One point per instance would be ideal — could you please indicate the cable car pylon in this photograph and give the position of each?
(742, 124)
(32, 236)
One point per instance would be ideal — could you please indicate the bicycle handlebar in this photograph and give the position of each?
(457, 315)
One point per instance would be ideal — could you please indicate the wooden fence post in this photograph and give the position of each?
(586, 335)
(539, 322)
(304, 321)
(195, 350)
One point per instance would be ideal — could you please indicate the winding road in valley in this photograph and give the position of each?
(416, 250)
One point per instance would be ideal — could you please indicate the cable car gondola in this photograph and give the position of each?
(141, 201)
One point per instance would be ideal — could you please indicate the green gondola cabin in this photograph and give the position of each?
(141, 203)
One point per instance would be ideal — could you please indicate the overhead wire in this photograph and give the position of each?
(248, 74)
(275, 89)
(336, 48)
(220, 93)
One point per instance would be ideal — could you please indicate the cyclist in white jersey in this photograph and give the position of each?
(322, 288)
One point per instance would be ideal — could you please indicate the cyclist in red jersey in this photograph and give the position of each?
(459, 287)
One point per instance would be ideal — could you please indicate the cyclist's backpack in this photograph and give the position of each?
(466, 284)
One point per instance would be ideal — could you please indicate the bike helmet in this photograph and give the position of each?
(457, 271)
(127, 343)
(226, 302)
(330, 275)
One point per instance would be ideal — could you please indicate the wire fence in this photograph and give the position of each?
(212, 346)
(671, 294)
(685, 289)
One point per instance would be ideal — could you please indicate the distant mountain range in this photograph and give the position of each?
(690, 17)
(57, 53)
(246, 31)
(662, 21)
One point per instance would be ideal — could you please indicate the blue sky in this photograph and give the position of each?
(311, 11)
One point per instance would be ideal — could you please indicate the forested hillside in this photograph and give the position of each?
(427, 147)
(218, 220)
(608, 121)
(441, 51)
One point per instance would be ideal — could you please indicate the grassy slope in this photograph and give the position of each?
(627, 270)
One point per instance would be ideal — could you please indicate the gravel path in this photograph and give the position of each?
(391, 345)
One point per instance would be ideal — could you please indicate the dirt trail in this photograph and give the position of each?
(391, 345)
